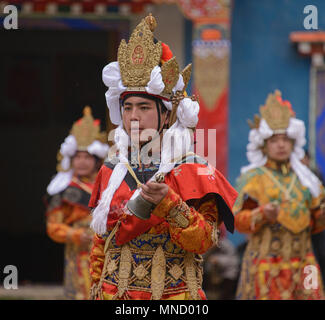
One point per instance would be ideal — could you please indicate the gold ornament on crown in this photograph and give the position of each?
(141, 54)
(85, 131)
(179, 95)
(170, 75)
(137, 58)
(255, 123)
(275, 114)
(186, 74)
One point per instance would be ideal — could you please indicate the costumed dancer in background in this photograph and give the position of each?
(153, 212)
(280, 204)
(68, 216)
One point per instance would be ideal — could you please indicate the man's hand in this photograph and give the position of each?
(271, 211)
(154, 192)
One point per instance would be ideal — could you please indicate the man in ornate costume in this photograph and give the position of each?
(68, 216)
(280, 204)
(155, 256)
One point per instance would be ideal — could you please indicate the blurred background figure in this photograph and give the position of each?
(280, 205)
(221, 270)
(68, 193)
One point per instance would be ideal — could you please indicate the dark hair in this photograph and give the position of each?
(146, 96)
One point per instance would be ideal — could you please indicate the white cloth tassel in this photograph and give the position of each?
(176, 142)
(100, 213)
(59, 182)
(305, 175)
(187, 113)
(253, 165)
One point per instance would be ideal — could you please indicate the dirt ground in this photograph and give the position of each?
(32, 292)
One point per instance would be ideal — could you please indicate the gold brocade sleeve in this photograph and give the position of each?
(194, 230)
(96, 258)
(249, 217)
(57, 227)
(249, 221)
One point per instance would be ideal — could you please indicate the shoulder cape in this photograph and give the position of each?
(192, 178)
(74, 194)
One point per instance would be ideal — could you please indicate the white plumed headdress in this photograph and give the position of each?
(277, 116)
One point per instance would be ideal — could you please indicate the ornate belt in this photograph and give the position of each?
(276, 240)
(158, 270)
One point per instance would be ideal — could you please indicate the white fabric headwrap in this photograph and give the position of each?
(175, 143)
(68, 149)
(155, 85)
(296, 130)
(112, 79)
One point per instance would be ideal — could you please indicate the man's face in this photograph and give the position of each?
(141, 113)
(84, 164)
(279, 147)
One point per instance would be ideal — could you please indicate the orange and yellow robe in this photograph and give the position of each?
(67, 218)
(159, 258)
(276, 263)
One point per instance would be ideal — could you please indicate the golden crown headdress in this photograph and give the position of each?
(275, 112)
(85, 130)
(141, 54)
